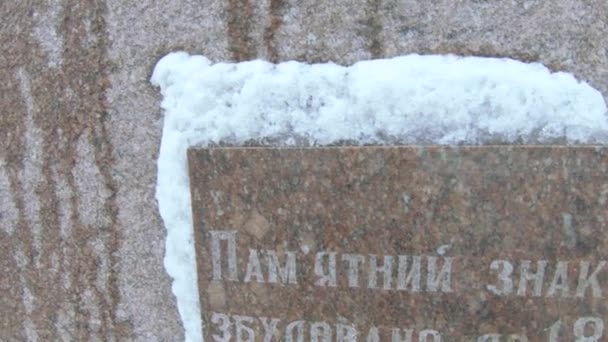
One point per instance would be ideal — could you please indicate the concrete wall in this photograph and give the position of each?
(82, 242)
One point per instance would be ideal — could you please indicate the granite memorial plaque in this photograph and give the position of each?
(471, 243)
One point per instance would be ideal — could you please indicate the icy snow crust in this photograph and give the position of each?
(411, 99)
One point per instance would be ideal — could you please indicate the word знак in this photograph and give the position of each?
(511, 282)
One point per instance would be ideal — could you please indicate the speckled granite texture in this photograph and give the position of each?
(464, 242)
(80, 125)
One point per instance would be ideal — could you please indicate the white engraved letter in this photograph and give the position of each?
(327, 276)
(243, 332)
(579, 329)
(320, 332)
(397, 337)
(298, 326)
(489, 338)
(425, 334)
(254, 269)
(386, 270)
(506, 269)
(216, 253)
(354, 261)
(286, 274)
(270, 328)
(560, 280)
(223, 324)
(442, 279)
(412, 278)
(526, 275)
(345, 333)
(373, 335)
(585, 280)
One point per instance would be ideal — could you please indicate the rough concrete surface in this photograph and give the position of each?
(80, 125)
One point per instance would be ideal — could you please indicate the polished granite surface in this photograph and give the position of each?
(458, 242)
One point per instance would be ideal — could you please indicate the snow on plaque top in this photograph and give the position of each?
(412, 99)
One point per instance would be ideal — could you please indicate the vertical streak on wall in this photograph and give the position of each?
(60, 231)
(11, 150)
(374, 25)
(32, 168)
(9, 217)
(45, 32)
(65, 313)
(90, 170)
(31, 207)
(46, 19)
(239, 27)
(9, 214)
(104, 159)
(271, 40)
(95, 226)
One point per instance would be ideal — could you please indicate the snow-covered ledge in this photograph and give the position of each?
(411, 99)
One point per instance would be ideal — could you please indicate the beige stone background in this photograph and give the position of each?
(80, 125)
